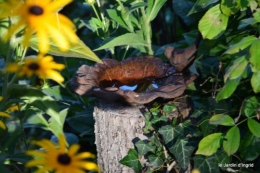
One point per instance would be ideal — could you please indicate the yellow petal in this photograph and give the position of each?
(2, 125)
(73, 149)
(62, 143)
(36, 153)
(12, 68)
(3, 114)
(37, 162)
(84, 155)
(27, 37)
(43, 41)
(86, 165)
(1, 98)
(14, 29)
(54, 75)
(58, 37)
(57, 5)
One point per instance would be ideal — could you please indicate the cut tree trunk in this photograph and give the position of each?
(117, 128)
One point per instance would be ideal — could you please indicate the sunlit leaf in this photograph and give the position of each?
(209, 144)
(213, 23)
(228, 89)
(255, 54)
(255, 82)
(78, 50)
(231, 140)
(153, 8)
(126, 39)
(244, 43)
(254, 127)
(222, 119)
(237, 69)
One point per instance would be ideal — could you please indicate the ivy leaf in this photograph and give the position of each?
(241, 45)
(144, 148)
(228, 89)
(126, 39)
(168, 108)
(131, 160)
(168, 132)
(78, 50)
(182, 150)
(222, 119)
(254, 127)
(249, 147)
(213, 23)
(255, 82)
(155, 161)
(232, 140)
(209, 144)
(250, 106)
(255, 54)
(206, 164)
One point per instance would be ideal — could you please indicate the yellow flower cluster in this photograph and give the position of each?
(60, 159)
(42, 66)
(38, 20)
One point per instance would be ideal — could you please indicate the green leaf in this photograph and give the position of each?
(82, 121)
(228, 7)
(237, 69)
(250, 106)
(168, 108)
(200, 5)
(228, 89)
(241, 45)
(55, 126)
(155, 161)
(168, 132)
(213, 23)
(4, 169)
(255, 82)
(254, 127)
(153, 8)
(255, 54)
(131, 160)
(209, 144)
(246, 22)
(249, 147)
(231, 140)
(143, 148)
(114, 14)
(78, 50)
(257, 16)
(206, 164)
(222, 119)
(4, 25)
(126, 39)
(20, 157)
(34, 118)
(182, 150)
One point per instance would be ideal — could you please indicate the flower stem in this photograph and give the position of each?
(147, 32)
(6, 75)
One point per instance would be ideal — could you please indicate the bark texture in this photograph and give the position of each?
(117, 127)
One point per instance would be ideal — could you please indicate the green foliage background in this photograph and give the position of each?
(224, 126)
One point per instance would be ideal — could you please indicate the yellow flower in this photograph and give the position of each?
(40, 17)
(2, 124)
(60, 159)
(42, 66)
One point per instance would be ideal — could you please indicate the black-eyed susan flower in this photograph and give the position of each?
(43, 67)
(60, 160)
(40, 17)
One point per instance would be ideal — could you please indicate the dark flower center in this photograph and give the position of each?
(64, 159)
(36, 10)
(33, 66)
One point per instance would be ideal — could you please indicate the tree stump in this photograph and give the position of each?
(117, 127)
